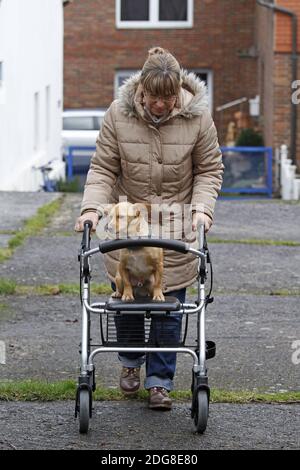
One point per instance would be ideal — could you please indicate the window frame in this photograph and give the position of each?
(154, 22)
(120, 73)
(89, 118)
(209, 84)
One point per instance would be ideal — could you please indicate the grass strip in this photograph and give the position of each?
(7, 287)
(8, 232)
(62, 289)
(32, 390)
(254, 241)
(5, 254)
(32, 227)
(10, 287)
(275, 292)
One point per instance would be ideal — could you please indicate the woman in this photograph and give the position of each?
(157, 144)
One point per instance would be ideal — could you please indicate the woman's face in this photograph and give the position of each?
(159, 105)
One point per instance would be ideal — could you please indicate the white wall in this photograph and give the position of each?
(31, 49)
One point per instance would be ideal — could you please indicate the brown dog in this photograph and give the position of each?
(139, 269)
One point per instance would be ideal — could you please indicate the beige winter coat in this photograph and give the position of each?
(177, 161)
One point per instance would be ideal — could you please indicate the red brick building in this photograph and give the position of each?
(240, 48)
(275, 46)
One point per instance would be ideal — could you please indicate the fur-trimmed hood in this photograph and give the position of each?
(193, 99)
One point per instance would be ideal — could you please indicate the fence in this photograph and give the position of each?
(289, 180)
(248, 170)
(78, 160)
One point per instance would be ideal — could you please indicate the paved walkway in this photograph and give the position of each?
(255, 331)
(129, 425)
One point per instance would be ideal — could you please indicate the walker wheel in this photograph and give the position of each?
(84, 411)
(201, 412)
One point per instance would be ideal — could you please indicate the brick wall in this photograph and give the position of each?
(283, 75)
(95, 50)
(283, 30)
(282, 99)
(282, 103)
(275, 75)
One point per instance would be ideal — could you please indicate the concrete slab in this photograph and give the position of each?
(4, 239)
(131, 426)
(262, 219)
(237, 268)
(237, 219)
(16, 207)
(255, 337)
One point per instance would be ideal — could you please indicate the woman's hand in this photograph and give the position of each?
(200, 218)
(92, 216)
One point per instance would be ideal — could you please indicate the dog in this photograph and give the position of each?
(140, 270)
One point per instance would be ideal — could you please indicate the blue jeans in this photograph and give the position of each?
(160, 367)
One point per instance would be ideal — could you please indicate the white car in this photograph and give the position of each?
(81, 127)
(80, 130)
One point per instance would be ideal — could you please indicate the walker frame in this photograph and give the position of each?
(204, 349)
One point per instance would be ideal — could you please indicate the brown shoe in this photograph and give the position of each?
(130, 380)
(159, 399)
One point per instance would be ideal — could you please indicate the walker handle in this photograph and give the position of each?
(111, 245)
(202, 236)
(86, 237)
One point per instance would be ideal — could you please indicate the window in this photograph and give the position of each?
(173, 10)
(132, 10)
(207, 77)
(120, 78)
(81, 123)
(98, 122)
(154, 13)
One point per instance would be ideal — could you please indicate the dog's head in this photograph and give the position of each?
(126, 220)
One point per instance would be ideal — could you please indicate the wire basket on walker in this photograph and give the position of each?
(144, 312)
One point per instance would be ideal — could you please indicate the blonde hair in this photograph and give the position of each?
(161, 75)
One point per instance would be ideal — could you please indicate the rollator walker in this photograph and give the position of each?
(111, 339)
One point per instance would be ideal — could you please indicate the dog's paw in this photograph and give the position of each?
(116, 295)
(127, 296)
(158, 295)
